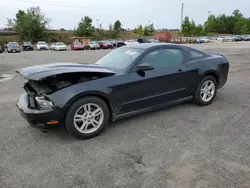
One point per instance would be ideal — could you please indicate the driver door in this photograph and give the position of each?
(165, 83)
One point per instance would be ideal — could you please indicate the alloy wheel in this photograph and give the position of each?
(207, 90)
(88, 118)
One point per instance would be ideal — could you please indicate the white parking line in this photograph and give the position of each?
(6, 77)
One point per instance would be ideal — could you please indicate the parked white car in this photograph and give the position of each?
(60, 46)
(231, 38)
(41, 45)
(223, 39)
(153, 40)
(53, 45)
(92, 45)
(205, 39)
(131, 42)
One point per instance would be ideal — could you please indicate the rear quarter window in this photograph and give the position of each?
(196, 54)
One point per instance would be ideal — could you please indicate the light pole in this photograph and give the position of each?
(182, 9)
(209, 13)
(97, 21)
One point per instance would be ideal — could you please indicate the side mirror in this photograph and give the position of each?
(144, 67)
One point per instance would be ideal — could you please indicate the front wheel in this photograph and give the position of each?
(206, 91)
(87, 117)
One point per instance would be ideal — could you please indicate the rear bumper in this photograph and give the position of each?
(36, 117)
(224, 70)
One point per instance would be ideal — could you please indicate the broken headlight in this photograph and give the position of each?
(44, 102)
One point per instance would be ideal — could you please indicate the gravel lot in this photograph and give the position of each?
(181, 146)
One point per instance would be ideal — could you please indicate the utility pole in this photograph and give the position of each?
(209, 13)
(97, 21)
(182, 9)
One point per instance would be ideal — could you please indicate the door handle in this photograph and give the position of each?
(180, 70)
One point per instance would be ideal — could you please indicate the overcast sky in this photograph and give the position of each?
(163, 13)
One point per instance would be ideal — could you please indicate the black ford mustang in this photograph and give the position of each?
(127, 81)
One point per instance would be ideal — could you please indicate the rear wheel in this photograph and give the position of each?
(87, 117)
(206, 91)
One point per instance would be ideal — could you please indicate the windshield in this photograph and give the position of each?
(105, 42)
(41, 43)
(93, 42)
(120, 59)
(77, 43)
(27, 43)
(60, 44)
(12, 44)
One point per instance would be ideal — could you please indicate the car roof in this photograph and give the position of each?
(146, 46)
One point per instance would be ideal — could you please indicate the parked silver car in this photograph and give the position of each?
(93, 45)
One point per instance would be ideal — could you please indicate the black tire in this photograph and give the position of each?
(197, 96)
(69, 119)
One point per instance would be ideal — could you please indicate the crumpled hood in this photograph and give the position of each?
(40, 72)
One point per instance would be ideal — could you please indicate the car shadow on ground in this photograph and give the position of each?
(62, 134)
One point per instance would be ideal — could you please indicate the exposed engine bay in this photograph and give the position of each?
(56, 82)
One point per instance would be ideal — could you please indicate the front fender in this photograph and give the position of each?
(63, 98)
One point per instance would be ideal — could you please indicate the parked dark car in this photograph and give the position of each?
(141, 40)
(1, 49)
(113, 42)
(13, 47)
(120, 44)
(27, 46)
(125, 82)
(198, 41)
(77, 46)
(105, 44)
(238, 38)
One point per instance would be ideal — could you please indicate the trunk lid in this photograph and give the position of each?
(216, 53)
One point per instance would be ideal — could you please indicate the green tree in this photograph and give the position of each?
(211, 23)
(237, 27)
(149, 29)
(227, 24)
(111, 33)
(10, 24)
(237, 15)
(110, 27)
(117, 26)
(187, 27)
(30, 24)
(146, 31)
(199, 30)
(193, 28)
(139, 30)
(85, 27)
(244, 29)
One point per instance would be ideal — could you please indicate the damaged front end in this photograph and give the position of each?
(39, 90)
(44, 80)
(36, 105)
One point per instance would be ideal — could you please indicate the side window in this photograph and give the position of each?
(195, 54)
(164, 58)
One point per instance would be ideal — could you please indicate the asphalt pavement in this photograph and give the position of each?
(180, 146)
